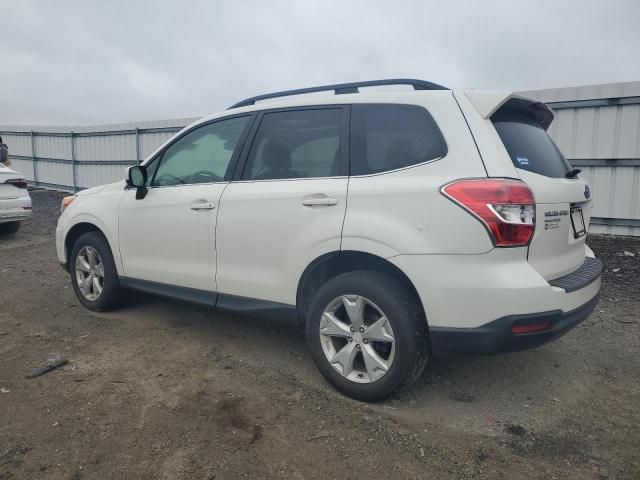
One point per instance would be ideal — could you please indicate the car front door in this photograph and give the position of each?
(287, 207)
(168, 237)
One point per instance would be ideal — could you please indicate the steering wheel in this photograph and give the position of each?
(204, 176)
(161, 180)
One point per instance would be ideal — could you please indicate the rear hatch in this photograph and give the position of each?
(563, 200)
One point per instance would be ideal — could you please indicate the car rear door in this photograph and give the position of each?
(287, 205)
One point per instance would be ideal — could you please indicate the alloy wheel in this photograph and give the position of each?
(89, 273)
(357, 338)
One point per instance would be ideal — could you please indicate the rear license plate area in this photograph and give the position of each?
(577, 222)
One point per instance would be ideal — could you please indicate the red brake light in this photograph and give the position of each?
(18, 182)
(505, 206)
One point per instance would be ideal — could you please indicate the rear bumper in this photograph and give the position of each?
(14, 215)
(15, 209)
(497, 337)
(472, 301)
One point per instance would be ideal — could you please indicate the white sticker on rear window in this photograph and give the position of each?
(522, 160)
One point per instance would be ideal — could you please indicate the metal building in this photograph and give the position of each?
(597, 127)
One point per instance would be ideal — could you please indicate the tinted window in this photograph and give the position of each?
(386, 137)
(529, 145)
(202, 155)
(296, 144)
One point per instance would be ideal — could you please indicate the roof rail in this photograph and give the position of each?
(340, 88)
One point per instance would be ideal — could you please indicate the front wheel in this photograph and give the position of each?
(367, 334)
(93, 273)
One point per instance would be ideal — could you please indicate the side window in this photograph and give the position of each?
(296, 144)
(202, 155)
(387, 136)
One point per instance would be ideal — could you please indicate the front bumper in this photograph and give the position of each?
(497, 337)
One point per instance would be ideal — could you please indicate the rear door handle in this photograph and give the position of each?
(202, 206)
(327, 201)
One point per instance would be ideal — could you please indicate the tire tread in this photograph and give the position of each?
(392, 292)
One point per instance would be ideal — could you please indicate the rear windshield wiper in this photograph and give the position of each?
(572, 173)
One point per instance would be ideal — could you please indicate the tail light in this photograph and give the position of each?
(506, 207)
(18, 182)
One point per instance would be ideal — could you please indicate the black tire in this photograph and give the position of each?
(405, 314)
(112, 294)
(9, 227)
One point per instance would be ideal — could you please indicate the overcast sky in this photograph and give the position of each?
(88, 62)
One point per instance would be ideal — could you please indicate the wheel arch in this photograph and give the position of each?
(75, 232)
(332, 264)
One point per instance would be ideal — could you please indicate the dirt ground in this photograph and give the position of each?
(162, 389)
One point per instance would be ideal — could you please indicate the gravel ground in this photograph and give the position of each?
(162, 389)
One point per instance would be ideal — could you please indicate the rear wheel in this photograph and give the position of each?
(9, 227)
(93, 273)
(367, 334)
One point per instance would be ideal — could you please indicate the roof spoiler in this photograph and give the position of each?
(488, 103)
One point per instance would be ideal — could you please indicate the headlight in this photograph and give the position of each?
(66, 201)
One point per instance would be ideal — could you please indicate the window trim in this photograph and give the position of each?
(343, 169)
(384, 172)
(399, 169)
(232, 162)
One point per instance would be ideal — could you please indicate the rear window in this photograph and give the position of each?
(529, 145)
(386, 137)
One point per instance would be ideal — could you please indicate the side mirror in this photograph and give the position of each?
(137, 177)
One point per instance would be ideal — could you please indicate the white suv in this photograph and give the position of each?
(394, 225)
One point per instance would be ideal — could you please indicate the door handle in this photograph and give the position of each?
(202, 206)
(327, 201)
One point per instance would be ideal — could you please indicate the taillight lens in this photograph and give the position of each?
(505, 206)
(18, 182)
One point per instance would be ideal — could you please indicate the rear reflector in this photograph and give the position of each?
(506, 207)
(18, 182)
(532, 328)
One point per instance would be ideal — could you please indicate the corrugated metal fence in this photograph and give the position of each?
(82, 157)
(597, 127)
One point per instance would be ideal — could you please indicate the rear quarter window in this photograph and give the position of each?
(387, 137)
(528, 144)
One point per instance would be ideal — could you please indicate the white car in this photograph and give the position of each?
(395, 225)
(15, 202)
